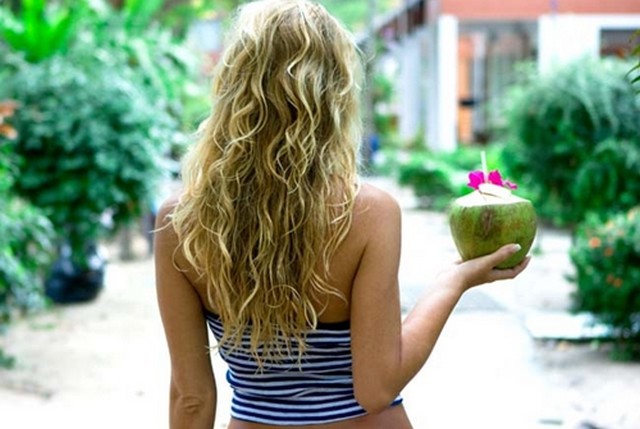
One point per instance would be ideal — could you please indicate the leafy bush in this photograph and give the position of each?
(25, 253)
(90, 143)
(146, 52)
(429, 179)
(607, 261)
(129, 39)
(438, 177)
(25, 240)
(609, 181)
(563, 125)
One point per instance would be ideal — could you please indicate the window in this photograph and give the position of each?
(618, 43)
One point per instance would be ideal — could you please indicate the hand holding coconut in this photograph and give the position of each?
(483, 269)
(491, 217)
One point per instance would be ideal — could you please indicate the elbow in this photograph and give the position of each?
(374, 400)
(192, 407)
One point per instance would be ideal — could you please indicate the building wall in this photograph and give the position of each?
(410, 109)
(580, 36)
(527, 9)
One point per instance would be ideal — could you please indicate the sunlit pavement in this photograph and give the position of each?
(104, 364)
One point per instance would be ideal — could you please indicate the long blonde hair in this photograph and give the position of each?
(270, 184)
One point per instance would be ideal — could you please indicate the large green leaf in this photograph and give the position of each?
(40, 30)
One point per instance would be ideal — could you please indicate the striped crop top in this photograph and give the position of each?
(316, 390)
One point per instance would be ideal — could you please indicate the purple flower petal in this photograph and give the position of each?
(495, 178)
(476, 178)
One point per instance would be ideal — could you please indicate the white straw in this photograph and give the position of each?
(485, 170)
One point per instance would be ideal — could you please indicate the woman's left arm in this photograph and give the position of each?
(193, 391)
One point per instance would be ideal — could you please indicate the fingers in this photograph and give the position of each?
(509, 273)
(482, 269)
(502, 254)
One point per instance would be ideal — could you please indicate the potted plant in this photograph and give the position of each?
(89, 145)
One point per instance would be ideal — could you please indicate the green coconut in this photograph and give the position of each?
(487, 219)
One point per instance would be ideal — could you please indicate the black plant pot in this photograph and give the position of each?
(69, 283)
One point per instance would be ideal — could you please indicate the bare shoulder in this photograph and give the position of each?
(164, 232)
(375, 204)
(166, 209)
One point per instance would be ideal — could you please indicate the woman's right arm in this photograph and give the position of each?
(388, 352)
(192, 397)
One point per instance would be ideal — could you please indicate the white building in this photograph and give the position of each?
(457, 57)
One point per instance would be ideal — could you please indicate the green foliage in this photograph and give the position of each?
(384, 121)
(607, 261)
(130, 39)
(438, 177)
(133, 41)
(89, 144)
(40, 30)
(429, 178)
(562, 127)
(609, 181)
(25, 247)
(139, 14)
(6, 361)
(99, 109)
(25, 252)
(180, 16)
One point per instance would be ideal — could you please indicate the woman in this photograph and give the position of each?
(275, 244)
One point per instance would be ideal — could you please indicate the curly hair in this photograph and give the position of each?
(271, 182)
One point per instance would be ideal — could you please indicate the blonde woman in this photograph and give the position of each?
(277, 247)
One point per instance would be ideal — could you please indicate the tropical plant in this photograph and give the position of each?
(90, 144)
(40, 30)
(562, 126)
(133, 40)
(606, 256)
(130, 38)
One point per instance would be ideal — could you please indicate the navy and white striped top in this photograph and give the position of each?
(314, 390)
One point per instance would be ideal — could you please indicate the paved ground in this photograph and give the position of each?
(104, 364)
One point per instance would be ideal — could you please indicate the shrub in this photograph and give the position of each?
(609, 181)
(25, 241)
(89, 144)
(438, 177)
(607, 261)
(561, 125)
(25, 253)
(429, 179)
(145, 52)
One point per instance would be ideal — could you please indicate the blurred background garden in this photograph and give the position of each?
(99, 99)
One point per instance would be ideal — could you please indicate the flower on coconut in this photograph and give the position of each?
(477, 177)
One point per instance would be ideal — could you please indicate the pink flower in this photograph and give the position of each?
(495, 178)
(476, 178)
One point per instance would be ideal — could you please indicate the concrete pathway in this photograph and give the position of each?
(104, 364)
